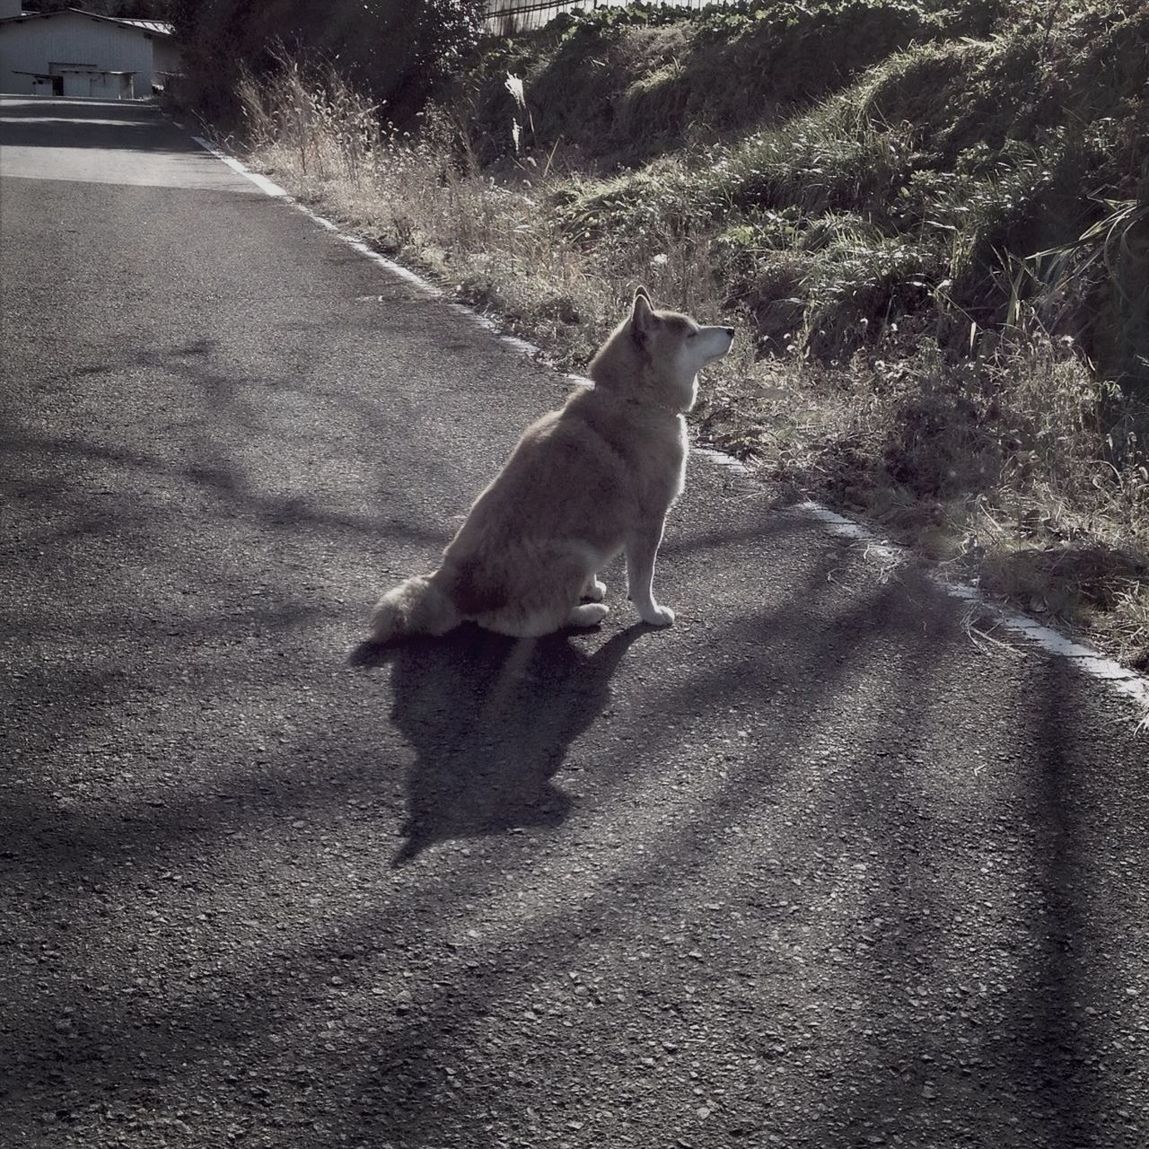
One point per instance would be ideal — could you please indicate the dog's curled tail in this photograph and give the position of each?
(417, 606)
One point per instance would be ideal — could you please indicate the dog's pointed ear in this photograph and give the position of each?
(640, 290)
(641, 317)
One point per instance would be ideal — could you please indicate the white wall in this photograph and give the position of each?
(70, 39)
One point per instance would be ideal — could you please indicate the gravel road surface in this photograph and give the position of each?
(816, 867)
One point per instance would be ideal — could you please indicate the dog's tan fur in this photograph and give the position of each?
(585, 482)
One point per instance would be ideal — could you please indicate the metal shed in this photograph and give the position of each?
(76, 53)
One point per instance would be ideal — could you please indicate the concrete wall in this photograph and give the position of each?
(71, 40)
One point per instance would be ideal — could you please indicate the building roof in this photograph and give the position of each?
(148, 27)
(160, 27)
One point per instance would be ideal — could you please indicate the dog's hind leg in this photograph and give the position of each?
(588, 614)
(534, 624)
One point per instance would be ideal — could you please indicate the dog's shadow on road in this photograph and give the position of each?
(491, 719)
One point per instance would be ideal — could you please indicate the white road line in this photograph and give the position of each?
(1086, 659)
(1083, 658)
(264, 185)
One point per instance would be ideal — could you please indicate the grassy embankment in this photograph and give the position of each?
(929, 220)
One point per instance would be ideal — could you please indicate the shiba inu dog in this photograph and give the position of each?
(584, 483)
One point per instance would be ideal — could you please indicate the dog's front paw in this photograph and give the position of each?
(657, 616)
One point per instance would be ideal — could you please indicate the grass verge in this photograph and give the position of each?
(935, 250)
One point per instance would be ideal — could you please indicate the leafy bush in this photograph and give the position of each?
(400, 53)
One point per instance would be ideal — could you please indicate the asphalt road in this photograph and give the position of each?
(813, 868)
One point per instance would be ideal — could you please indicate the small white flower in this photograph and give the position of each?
(659, 260)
